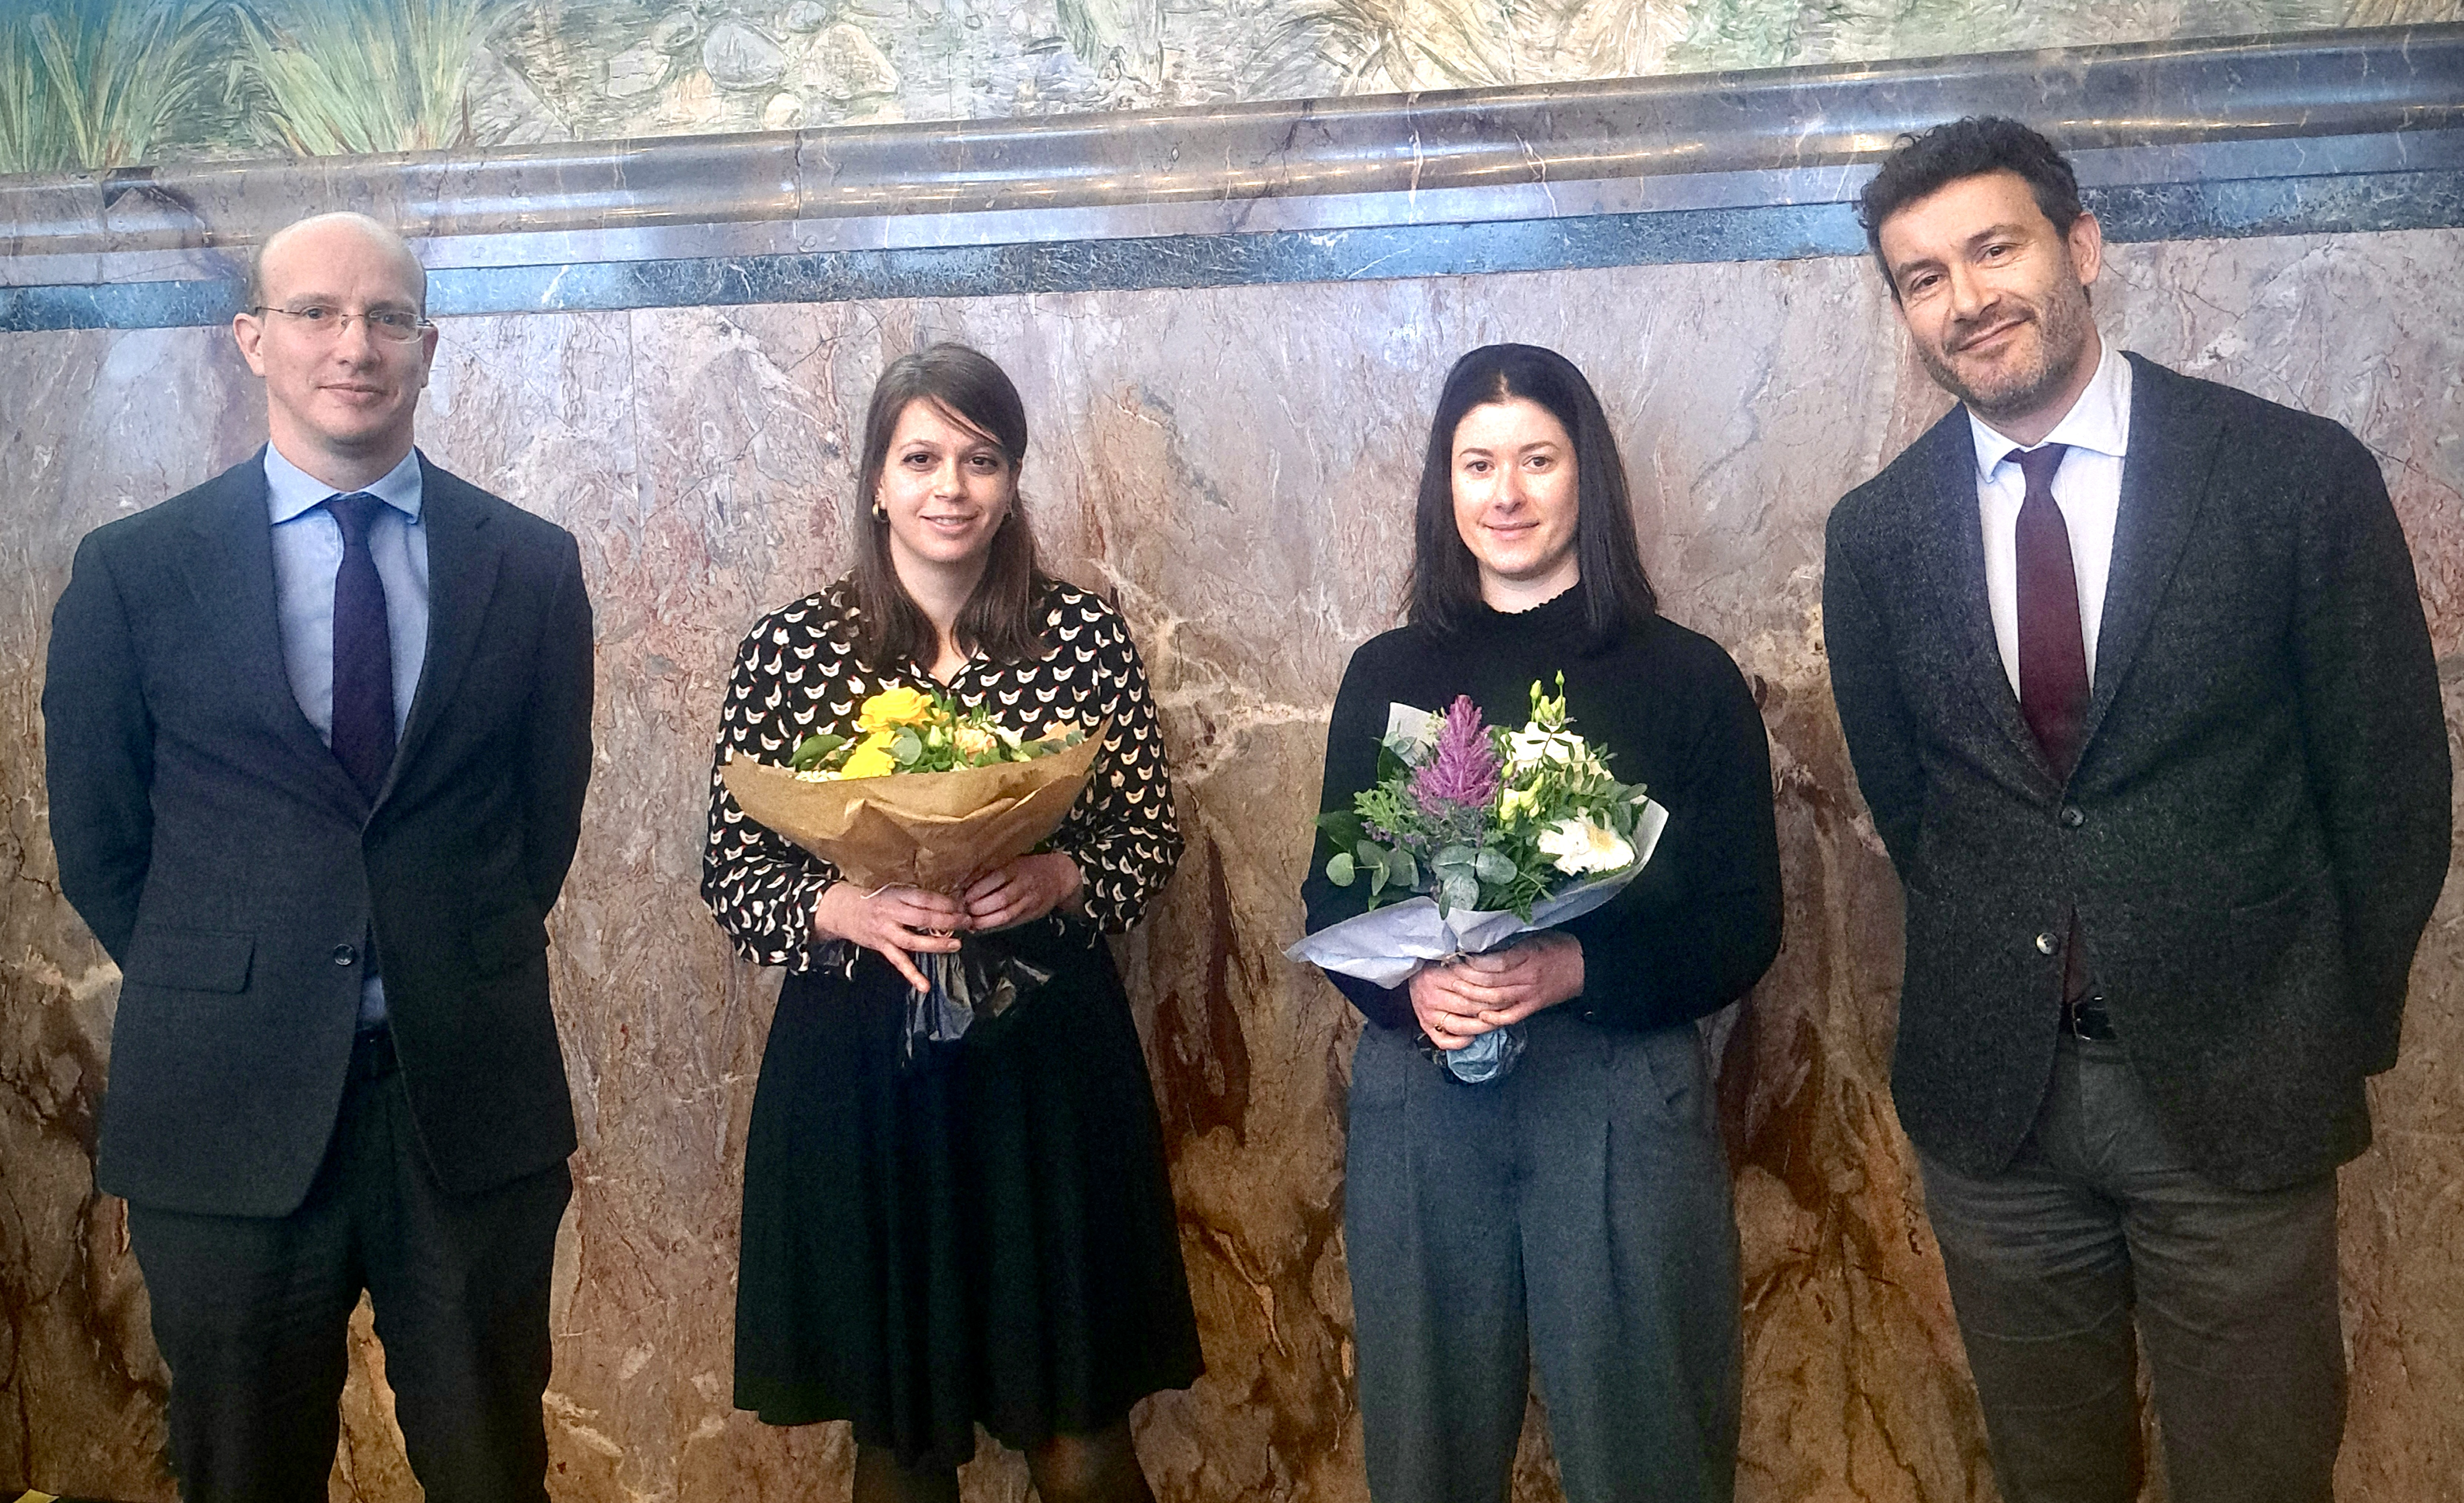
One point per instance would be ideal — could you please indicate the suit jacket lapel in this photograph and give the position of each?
(1956, 550)
(463, 559)
(2173, 435)
(230, 574)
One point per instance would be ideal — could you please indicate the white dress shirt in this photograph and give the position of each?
(2087, 488)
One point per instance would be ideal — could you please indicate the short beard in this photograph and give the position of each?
(2061, 339)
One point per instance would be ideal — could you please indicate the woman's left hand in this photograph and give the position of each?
(1024, 891)
(1536, 972)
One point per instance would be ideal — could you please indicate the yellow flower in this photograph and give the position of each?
(869, 761)
(893, 707)
(974, 742)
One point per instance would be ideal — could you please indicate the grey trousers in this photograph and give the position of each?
(1575, 1217)
(2099, 1220)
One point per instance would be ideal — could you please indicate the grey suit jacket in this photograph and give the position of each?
(223, 857)
(2257, 827)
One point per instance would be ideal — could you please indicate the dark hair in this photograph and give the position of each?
(1923, 163)
(1445, 578)
(998, 618)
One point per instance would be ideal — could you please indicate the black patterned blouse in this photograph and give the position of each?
(797, 674)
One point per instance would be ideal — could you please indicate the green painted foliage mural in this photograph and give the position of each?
(88, 83)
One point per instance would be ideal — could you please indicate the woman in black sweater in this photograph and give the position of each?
(1574, 1214)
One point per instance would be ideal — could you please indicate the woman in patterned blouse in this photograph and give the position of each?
(985, 1234)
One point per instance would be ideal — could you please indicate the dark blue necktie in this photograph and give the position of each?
(362, 650)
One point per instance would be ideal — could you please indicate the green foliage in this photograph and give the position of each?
(91, 84)
(814, 750)
(1492, 861)
(359, 75)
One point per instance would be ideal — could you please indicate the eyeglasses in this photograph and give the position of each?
(397, 324)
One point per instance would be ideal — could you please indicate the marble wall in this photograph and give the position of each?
(1235, 464)
(91, 84)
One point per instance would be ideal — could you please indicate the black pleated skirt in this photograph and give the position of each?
(987, 1238)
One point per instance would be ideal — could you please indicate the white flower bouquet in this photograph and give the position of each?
(1475, 834)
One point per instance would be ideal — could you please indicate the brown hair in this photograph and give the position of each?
(998, 618)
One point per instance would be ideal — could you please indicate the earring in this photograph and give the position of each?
(880, 513)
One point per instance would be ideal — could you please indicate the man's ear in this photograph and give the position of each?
(248, 332)
(2087, 240)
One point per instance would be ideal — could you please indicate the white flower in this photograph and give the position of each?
(1530, 746)
(1576, 846)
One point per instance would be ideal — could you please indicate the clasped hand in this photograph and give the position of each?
(1462, 999)
(899, 924)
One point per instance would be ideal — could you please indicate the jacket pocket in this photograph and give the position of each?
(504, 941)
(190, 959)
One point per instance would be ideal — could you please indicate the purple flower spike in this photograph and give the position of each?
(1463, 772)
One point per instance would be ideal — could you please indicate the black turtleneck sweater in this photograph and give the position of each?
(1701, 924)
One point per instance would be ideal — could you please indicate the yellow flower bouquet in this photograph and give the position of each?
(930, 794)
(933, 795)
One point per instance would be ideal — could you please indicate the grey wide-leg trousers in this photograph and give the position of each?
(1574, 1216)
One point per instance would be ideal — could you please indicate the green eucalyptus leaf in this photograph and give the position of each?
(1490, 866)
(1339, 868)
(1400, 868)
(1343, 828)
(906, 746)
(814, 750)
(1377, 879)
(1458, 890)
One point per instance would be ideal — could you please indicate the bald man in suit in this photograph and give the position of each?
(317, 734)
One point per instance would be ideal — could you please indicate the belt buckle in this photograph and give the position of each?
(372, 1056)
(2086, 1018)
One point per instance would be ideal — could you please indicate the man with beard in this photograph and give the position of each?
(2134, 674)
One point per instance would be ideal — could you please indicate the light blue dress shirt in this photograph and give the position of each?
(307, 555)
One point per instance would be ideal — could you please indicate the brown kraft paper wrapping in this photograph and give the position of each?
(935, 830)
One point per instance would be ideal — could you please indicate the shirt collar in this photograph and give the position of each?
(2100, 420)
(291, 491)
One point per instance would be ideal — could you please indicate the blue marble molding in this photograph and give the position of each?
(2318, 132)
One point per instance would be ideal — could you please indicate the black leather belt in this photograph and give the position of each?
(372, 1054)
(2085, 1018)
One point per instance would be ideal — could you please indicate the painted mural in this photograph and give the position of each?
(89, 83)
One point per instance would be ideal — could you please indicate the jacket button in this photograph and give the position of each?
(2047, 944)
(345, 955)
(2073, 816)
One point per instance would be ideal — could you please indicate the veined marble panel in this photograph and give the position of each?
(1236, 465)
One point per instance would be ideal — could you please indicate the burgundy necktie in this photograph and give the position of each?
(362, 650)
(2053, 650)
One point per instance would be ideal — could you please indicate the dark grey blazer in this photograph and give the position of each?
(2256, 830)
(229, 864)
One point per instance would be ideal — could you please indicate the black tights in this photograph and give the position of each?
(1098, 1468)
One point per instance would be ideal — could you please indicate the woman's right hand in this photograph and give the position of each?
(892, 923)
(1449, 1002)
